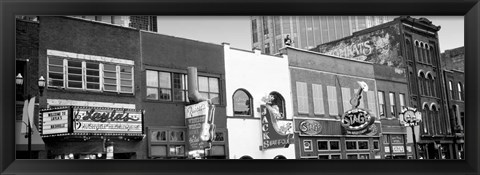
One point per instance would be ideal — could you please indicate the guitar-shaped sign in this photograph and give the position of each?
(355, 101)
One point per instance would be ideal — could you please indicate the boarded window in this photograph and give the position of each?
(302, 97)
(318, 106)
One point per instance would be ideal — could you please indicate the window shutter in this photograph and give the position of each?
(346, 96)
(332, 100)
(371, 103)
(302, 97)
(318, 105)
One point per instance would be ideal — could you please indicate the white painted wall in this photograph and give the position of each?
(259, 75)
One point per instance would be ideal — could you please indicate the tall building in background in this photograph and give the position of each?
(268, 32)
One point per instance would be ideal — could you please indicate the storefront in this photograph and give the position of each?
(91, 133)
(327, 139)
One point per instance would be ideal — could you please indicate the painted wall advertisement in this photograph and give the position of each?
(198, 118)
(380, 47)
(54, 121)
(105, 120)
(276, 133)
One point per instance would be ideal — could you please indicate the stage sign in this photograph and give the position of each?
(104, 120)
(54, 121)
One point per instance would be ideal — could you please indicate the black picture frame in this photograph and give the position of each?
(468, 8)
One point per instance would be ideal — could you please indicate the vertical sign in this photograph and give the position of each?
(197, 125)
(275, 133)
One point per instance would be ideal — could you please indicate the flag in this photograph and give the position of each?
(31, 107)
(24, 117)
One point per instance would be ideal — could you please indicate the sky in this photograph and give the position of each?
(236, 30)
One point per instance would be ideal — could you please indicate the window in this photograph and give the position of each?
(254, 31)
(322, 145)
(91, 75)
(376, 145)
(431, 81)
(219, 137)
(336, 156)
(279, 102)
(450, 89)
(74, 78)
(267, 48)
(381, 102)
(351, 145)
(242, 103)
(55, 71)
(168, 86)
(363, 145)
(346, 97)
(165, 86)
(265, 25)
(363, 156)
(402, 101)
(393, 107)
(427, 85)
(158, 136)
(317, 92)
(426, 118)
(332, 100)
(421, 81)
(460, 91)
(352, 156)
(334, 145)
(167, 142)
(323, 156)
(302, 97)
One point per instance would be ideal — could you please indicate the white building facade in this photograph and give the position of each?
(250, 77)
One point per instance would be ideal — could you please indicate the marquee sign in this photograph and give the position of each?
(275, 133)
(105, 120)
(54, 121)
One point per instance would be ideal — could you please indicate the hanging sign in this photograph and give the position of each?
(200, 128)
(275, 133)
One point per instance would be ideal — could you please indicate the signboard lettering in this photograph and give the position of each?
(199, 127)
(310, 127)
(106, 121)
(54, 121)
(275, 133)
(357, 119)
(398, 149)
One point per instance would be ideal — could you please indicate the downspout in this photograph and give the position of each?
(193, 95)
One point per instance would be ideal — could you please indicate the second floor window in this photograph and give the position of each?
(242, 103)
(89, 75)
(393, 107)
(381, 102)
(169, 86)
(460, 91)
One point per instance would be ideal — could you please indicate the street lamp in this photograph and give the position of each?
(411, 117)
(41, 86)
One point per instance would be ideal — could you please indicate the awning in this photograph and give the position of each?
(22, 142)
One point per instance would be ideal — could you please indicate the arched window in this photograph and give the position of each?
(242, 103)
(432, 54)
(421, 83)
(279, 157)
(279, 102)
(422, 51)
(427, 85)
(433, 91)
(425, 118)
(436, 122)
(460, 91)
(427, 51)
(417, 51)
(450, 89)
(408, 51)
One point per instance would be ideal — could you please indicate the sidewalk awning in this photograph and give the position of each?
(22, 142)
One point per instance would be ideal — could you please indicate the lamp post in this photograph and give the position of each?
(411, 117)
(41, 86)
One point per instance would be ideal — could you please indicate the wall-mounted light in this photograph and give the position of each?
(41, 84)
(19, 79)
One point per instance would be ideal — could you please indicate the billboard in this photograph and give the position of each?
(381, 46)
(276, 133)
(107, 120)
